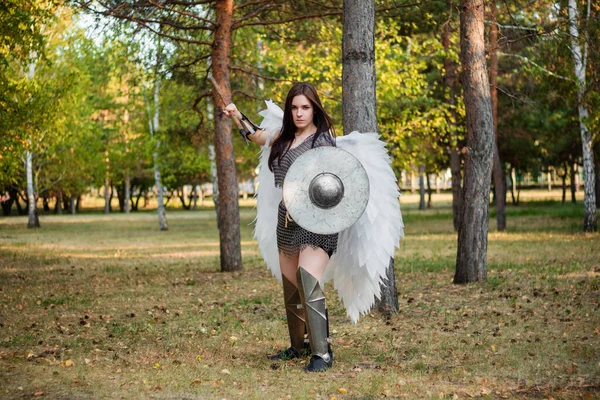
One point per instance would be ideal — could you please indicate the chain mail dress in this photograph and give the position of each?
(291, 237)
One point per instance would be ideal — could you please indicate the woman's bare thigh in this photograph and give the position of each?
(314, 261)
(289, 266)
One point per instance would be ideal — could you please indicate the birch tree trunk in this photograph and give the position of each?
(472, 233)
(229, 215)
(359, 100)
(499, 186)
(33, 220)
(597, 183)
(590, 220)
(154, 128)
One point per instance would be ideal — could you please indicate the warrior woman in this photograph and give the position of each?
(358, 256)
(303, 255)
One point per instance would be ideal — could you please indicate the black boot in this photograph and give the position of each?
(296, 324)
(317, 321)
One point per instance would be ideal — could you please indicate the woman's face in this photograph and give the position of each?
(302, 111)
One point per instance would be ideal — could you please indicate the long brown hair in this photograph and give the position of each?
(288, 131)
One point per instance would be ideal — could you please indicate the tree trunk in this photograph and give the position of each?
(573, 183)
(514, 187)
(136, 204)
(214, 181)
(590, 220)
(359, 100)
(422, 187)
(162, 214)
(499, 187)
(229, 215)
(597, 183)
(358, 67)
(428, 179)
(472, 233)
(127, 192)
(73, 205)
(195, 198)
(33, 220)
(564, 187)
(58, 204)
(106, 195)
(121, 196)
(65, 203)
(182, 195)
(450, 81)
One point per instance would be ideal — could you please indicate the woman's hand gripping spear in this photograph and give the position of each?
(245, 126)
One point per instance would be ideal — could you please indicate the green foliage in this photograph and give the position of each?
(22, 28)
(84, 114)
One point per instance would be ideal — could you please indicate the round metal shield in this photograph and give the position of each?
(326, 190)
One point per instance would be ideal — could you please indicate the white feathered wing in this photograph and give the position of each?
(267, 195)
(364, 250)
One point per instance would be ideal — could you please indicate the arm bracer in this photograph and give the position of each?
(250, 126)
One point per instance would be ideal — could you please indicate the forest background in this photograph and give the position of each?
(101, 97)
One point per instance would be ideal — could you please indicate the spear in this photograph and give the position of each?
(226, 101)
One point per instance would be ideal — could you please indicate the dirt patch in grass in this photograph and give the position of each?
(110, 307)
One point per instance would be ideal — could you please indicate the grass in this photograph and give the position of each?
(96, 306)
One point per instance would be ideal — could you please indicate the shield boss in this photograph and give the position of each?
(326, 190)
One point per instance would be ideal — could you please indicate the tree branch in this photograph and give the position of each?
(199, 99)
(254, 13)
(144, 22)
(514, 97)
(536, 65)
(288, 20)
(249, 4)
(184, 13)
(517, 27)
(256, 74)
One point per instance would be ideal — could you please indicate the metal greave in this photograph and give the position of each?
(317, 323)
(295, 315)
